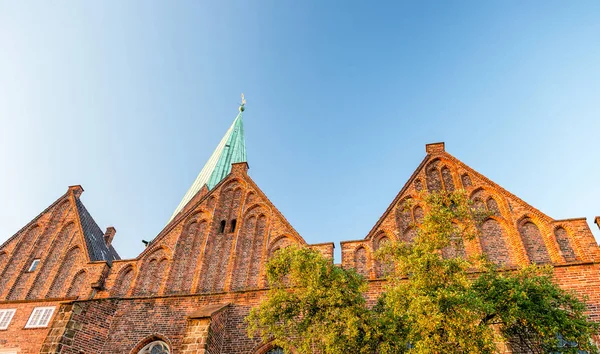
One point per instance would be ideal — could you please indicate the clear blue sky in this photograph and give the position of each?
(129, 99)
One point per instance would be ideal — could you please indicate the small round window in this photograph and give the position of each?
(156, 347)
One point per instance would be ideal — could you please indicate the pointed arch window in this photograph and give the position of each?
(222, 227)
(233, 223)
(156, 347)
(276, 350)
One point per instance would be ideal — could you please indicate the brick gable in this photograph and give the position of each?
(197, 280)
(516, 234)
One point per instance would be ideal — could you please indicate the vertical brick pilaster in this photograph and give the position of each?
(52, 343)
(195, 339)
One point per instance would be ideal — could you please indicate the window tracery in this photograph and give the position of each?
(156, 347)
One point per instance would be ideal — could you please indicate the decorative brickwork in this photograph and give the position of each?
(213, 252)
(494, 244)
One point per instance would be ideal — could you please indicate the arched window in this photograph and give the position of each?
(77, 284)
(360, 261)
(418, 185)
(434, 179)
(403, 217)
(493, 243)
(562, 237)
(156, 347)
(233, 222)
(276, 350)
(534, 242)
(447, 177)
(466, 181)
(123, 282)
(493, 206)
(418, 214)
(222, 227)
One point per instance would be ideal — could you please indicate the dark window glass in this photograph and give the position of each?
(34, 265)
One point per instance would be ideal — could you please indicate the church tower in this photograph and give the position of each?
(231, 149)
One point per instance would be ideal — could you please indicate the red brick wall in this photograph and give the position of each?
(130, 321)
(80, 327)
(192, 263)
(29, 340)
(516, 234)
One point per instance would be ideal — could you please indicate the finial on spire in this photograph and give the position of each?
(243, 104)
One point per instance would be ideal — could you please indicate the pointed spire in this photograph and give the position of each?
(231, 149)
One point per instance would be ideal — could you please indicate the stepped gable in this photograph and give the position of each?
(61, 241)
(516, 233)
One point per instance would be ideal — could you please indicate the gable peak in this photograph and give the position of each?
(435, 147)
(76, 189)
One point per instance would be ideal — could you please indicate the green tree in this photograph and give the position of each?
(313, 305)
(431, 303)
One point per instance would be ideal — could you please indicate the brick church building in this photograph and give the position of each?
(64, 288)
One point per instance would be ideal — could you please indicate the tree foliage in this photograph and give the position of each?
(430, 304)
(313, 305)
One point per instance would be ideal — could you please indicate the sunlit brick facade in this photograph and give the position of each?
(191, 288)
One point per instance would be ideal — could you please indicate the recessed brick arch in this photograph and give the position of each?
(486, 200)
(51, 260)
(382, 267)
(418, 214)
(418, 185)
(198, 214)
(154, 251)
(362, 260)
(212, 202)
(280, 242)
(447, 178)
(238, 182)
(159, 275)
(68, 263)
(494, 243)
(566, 244)
(18, 256)
(3, 257)
(456, 248)
(492, 206)
(466, 181)
(434, 176)
(219, 244)
(59, 211)
(150, 266)
(249, 249)
(533, 241)
(123, 281)
(78, 284)
(477, 193)
(187, 252)
(409, 234)
(250, 198)
(263, 208)
(403, 214)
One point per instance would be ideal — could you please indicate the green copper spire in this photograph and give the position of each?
(231, 149)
